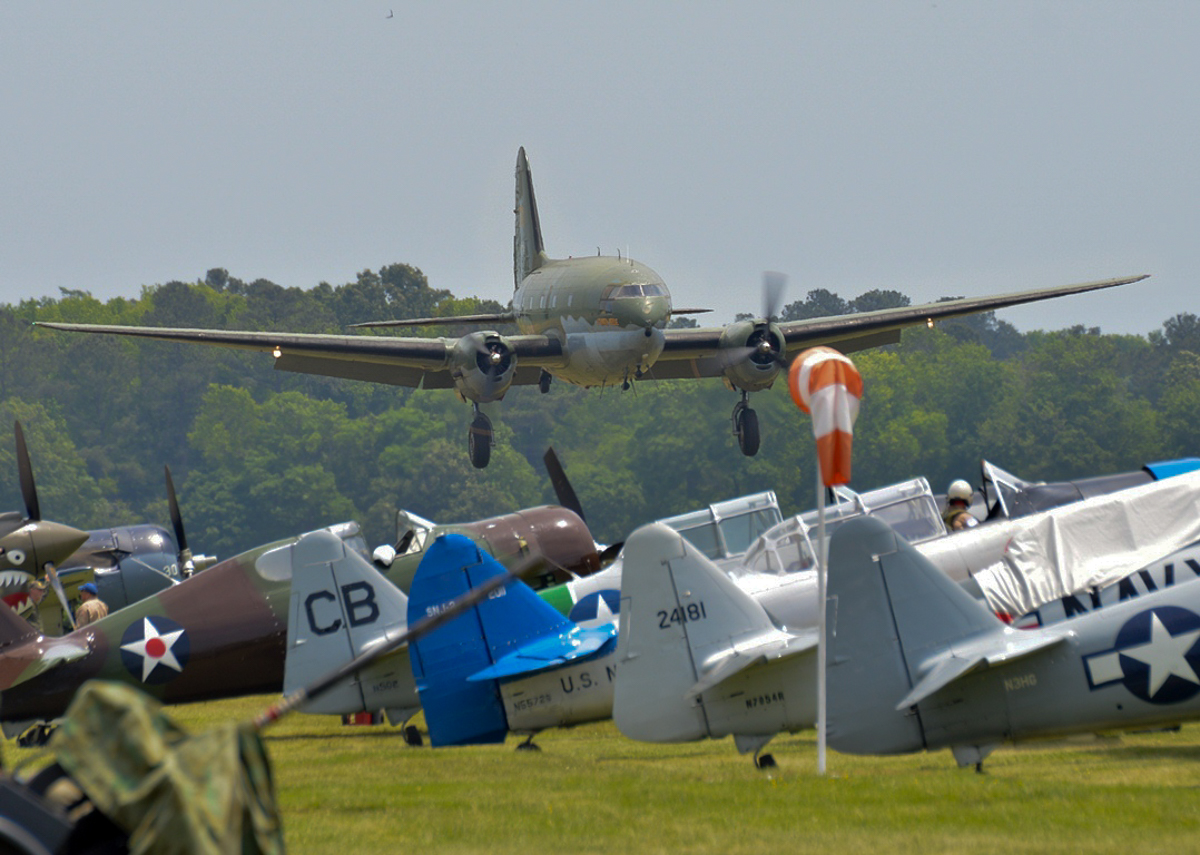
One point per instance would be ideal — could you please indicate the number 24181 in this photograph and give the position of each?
(681, 614)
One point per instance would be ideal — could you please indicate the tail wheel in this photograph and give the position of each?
(479, 441)
(745, 425)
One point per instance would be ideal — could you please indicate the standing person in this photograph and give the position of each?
(92, 608)
(37, 592)
(958, 499)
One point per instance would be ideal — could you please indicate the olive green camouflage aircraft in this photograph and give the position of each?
(590, 321)
(30, 545)
(222, 632)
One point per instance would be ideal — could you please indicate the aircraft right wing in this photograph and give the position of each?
(691, 353)
(413, 362)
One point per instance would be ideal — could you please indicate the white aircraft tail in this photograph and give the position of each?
(340, 606)
(528, 250)
(696, 655)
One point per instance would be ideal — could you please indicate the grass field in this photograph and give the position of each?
(361, 789)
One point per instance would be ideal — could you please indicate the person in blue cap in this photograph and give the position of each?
(92, 608)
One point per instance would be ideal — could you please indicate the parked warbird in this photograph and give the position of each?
(736, 656)
(222, 633)
(29, 545)
(590, 321)
(508, 665)
(916, 664)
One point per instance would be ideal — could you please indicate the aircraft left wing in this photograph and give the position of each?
(411, 362)
(691, 353)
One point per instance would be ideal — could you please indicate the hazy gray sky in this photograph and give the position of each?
(936, 148)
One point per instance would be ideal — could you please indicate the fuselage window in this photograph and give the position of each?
(543, 303)
(570, 300)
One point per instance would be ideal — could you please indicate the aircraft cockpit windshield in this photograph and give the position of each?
(726, 529)
(908, 507)
(783, 550)
(412, 532)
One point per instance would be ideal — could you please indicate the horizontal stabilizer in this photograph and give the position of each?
(495, 318)
(341, 606)
(993, 649)
(548, 652)
(772, 646)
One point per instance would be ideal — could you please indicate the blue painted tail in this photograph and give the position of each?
(458, 666)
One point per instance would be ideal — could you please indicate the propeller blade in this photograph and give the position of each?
(25, 473)
(774, 284)
(562, 487)
(611, 552)
(176, 517)
(59, 593)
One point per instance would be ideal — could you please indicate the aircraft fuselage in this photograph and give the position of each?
(608, 313)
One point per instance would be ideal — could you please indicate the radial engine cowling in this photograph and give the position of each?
(752, 352)
(482, 365)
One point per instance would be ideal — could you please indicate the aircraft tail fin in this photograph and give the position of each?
(688, 643)
(528, 249)
(512, 633)
(341, 605)
(899, 631)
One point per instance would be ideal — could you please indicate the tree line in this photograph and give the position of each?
(258, 454)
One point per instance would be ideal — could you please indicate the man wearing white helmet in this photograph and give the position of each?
(958, 498)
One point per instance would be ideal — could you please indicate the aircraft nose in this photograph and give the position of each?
(39, 542)
(646, 312)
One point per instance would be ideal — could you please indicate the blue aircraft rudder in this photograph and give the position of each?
(457, 712)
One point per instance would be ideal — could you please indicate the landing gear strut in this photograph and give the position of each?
(528, 744)
(745, 426)
(479, 440)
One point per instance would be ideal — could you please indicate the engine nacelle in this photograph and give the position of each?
(483, 366)
(752, 353)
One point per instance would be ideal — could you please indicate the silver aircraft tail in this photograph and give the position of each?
(697, 657)
(901, 636)
(528, 250)
(340, 606)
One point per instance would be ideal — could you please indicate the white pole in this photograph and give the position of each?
(822, 557)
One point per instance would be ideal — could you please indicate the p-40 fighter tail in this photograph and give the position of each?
(511, 663)
(698, 657)
(340, 607)
(914, 662)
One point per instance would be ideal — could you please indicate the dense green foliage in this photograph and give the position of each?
(259, 454)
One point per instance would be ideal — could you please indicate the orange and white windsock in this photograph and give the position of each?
(826, 385)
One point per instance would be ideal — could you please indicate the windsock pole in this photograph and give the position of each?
(827, 386)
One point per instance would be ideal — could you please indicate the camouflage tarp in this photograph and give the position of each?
(173, 792)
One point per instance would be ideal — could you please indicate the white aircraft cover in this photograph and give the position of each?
(1093, 543)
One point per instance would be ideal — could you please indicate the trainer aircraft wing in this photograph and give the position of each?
(377, 359)
(692, 353)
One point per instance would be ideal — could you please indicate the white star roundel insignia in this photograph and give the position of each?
(1156, 656)
(155, 649)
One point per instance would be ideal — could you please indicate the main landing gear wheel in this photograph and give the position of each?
(479, 440)
(412, 736)
(745, 427)
(544, 381)
(764, 761)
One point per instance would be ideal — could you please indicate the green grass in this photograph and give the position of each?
(360, 789)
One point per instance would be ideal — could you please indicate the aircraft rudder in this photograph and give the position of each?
(339, 606)
(654, 662)
(528, 249)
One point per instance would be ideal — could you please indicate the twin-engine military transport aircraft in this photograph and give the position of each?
(590, 321)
